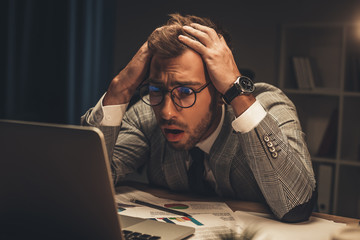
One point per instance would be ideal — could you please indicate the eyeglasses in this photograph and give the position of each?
(184, 97)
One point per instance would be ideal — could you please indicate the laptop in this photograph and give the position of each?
(55, 183)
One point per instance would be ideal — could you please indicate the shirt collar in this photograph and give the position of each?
(206, 144)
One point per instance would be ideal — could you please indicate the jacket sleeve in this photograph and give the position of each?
(279, 159)
(127, 145)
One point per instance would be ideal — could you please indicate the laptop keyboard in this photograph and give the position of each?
(138, 236)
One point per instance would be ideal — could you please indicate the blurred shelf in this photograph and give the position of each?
(317, 91)
(323, 160)
(319, 70)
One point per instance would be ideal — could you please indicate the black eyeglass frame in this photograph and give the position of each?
(164, 91)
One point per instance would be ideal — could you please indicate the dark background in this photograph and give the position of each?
(58, 57)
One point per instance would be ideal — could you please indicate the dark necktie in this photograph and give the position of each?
(196, 179)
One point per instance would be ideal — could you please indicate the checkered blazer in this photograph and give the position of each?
(269, 164)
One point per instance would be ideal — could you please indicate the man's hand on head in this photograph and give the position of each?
(217, 56)
(219, 61)
(124, 85)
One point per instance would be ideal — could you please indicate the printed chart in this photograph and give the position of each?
(179, 220)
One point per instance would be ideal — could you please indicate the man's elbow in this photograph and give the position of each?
(301, 212)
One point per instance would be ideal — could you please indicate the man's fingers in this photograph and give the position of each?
(222, 39)
(201, 36)
(194, 44)
(206, 35)
(209, 31)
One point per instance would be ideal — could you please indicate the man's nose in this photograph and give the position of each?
(168, 108)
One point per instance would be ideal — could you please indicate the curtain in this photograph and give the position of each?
(58, 58)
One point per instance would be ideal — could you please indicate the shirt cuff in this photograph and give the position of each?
(112, 114)
(249, 119)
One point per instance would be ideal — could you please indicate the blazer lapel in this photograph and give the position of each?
(222, 154)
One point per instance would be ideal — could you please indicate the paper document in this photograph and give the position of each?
(270, 229)
(211, 220)
(124, 195)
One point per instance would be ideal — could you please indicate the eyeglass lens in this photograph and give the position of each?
(182, 96)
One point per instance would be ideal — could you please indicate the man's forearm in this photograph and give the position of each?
(278, 157)
(241, 103)
(301, 212)
(92, 118)
(281, 172)
(108, 120)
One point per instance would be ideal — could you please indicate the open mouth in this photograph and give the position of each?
(173, 131)
(173, 135)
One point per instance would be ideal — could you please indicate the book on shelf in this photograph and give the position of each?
(353, 76)
(328, 143)
(304, 74)
(324, 181)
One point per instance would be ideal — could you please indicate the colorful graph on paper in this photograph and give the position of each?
(120, 209)
(179, 220)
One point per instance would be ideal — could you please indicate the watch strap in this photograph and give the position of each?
(237, 90)
(230, 94)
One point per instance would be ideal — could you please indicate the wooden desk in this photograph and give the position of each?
(235, 205)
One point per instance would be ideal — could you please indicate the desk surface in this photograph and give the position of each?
(235, 205)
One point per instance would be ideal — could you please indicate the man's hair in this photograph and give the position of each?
(164, 40)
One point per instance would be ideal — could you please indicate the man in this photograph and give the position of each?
(254, 147)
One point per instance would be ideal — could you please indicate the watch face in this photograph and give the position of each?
(242, 85)
(246, 84)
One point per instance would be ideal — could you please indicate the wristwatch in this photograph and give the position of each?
(242, 85)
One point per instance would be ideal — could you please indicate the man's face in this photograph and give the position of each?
(184, 127)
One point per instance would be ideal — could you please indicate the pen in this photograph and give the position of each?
(160, 208)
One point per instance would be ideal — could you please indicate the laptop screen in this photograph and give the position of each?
(55, 179)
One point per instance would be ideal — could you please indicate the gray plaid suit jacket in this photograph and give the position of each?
(269, 164)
